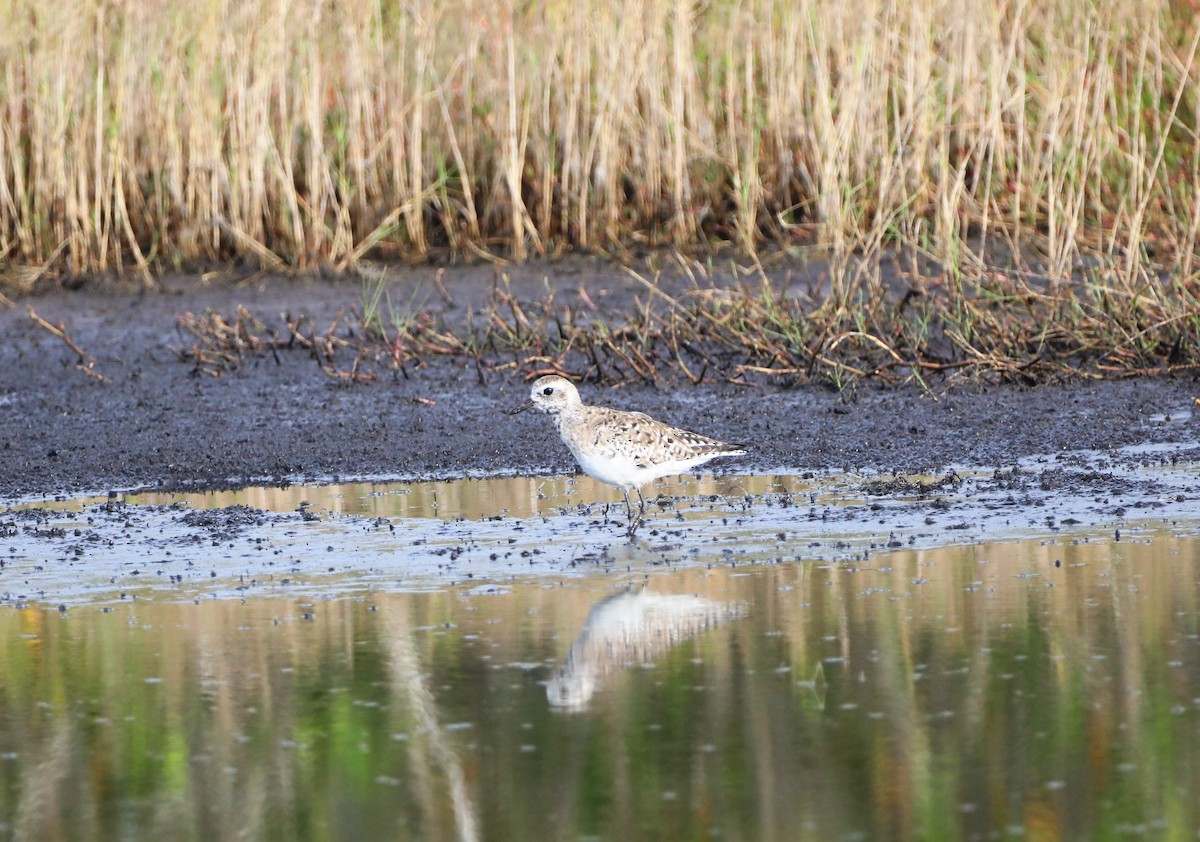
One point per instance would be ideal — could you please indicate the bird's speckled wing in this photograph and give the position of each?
(644, 440)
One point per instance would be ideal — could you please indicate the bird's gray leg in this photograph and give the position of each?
(641, 502)
(633, 522)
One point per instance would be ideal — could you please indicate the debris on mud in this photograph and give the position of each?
(228, 522)
(903, 486)
(273, 417)
(346, 538)
(1069, 481)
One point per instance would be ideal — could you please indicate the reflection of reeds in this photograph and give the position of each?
(150, 134)
(471, 499)
(957, 691)
(430, 748)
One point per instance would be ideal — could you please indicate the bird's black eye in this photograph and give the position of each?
(549, 390)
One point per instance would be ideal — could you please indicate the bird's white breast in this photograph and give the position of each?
(609, 467)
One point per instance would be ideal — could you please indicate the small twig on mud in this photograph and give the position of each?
(441, 288)
(354, 376)
(87, 363)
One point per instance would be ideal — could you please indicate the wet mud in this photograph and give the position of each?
(830, 476)
(156, 423)
(395, 586)
(335, 541)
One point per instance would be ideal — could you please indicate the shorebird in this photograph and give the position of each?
(625, 449)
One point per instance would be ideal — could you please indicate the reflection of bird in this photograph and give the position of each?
(625, 449)
(629, 628)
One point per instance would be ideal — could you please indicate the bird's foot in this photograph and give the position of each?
(634, 523)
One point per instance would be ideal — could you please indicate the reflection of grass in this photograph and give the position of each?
(1005, 326)
(309, 135)
(931, 694)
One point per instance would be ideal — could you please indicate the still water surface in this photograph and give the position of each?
(1022, 689)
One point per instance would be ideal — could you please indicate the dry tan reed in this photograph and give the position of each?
(148, 134)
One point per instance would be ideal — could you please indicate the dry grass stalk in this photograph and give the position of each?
(87, 363)
(148, 135)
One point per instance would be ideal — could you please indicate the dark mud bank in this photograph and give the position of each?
(156, 423)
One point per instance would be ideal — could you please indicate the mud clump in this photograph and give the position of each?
(227, 522)
(32, 522)
(903, 486)
(1066, 480)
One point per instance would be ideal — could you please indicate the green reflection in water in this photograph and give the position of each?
(1046, 689)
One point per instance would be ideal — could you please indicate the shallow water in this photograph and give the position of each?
(1014, 654)
(352, 538)
(1046, 689)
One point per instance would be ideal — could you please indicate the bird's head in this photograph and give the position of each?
(551, 394)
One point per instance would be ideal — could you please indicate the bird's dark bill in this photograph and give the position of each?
(521, 408)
